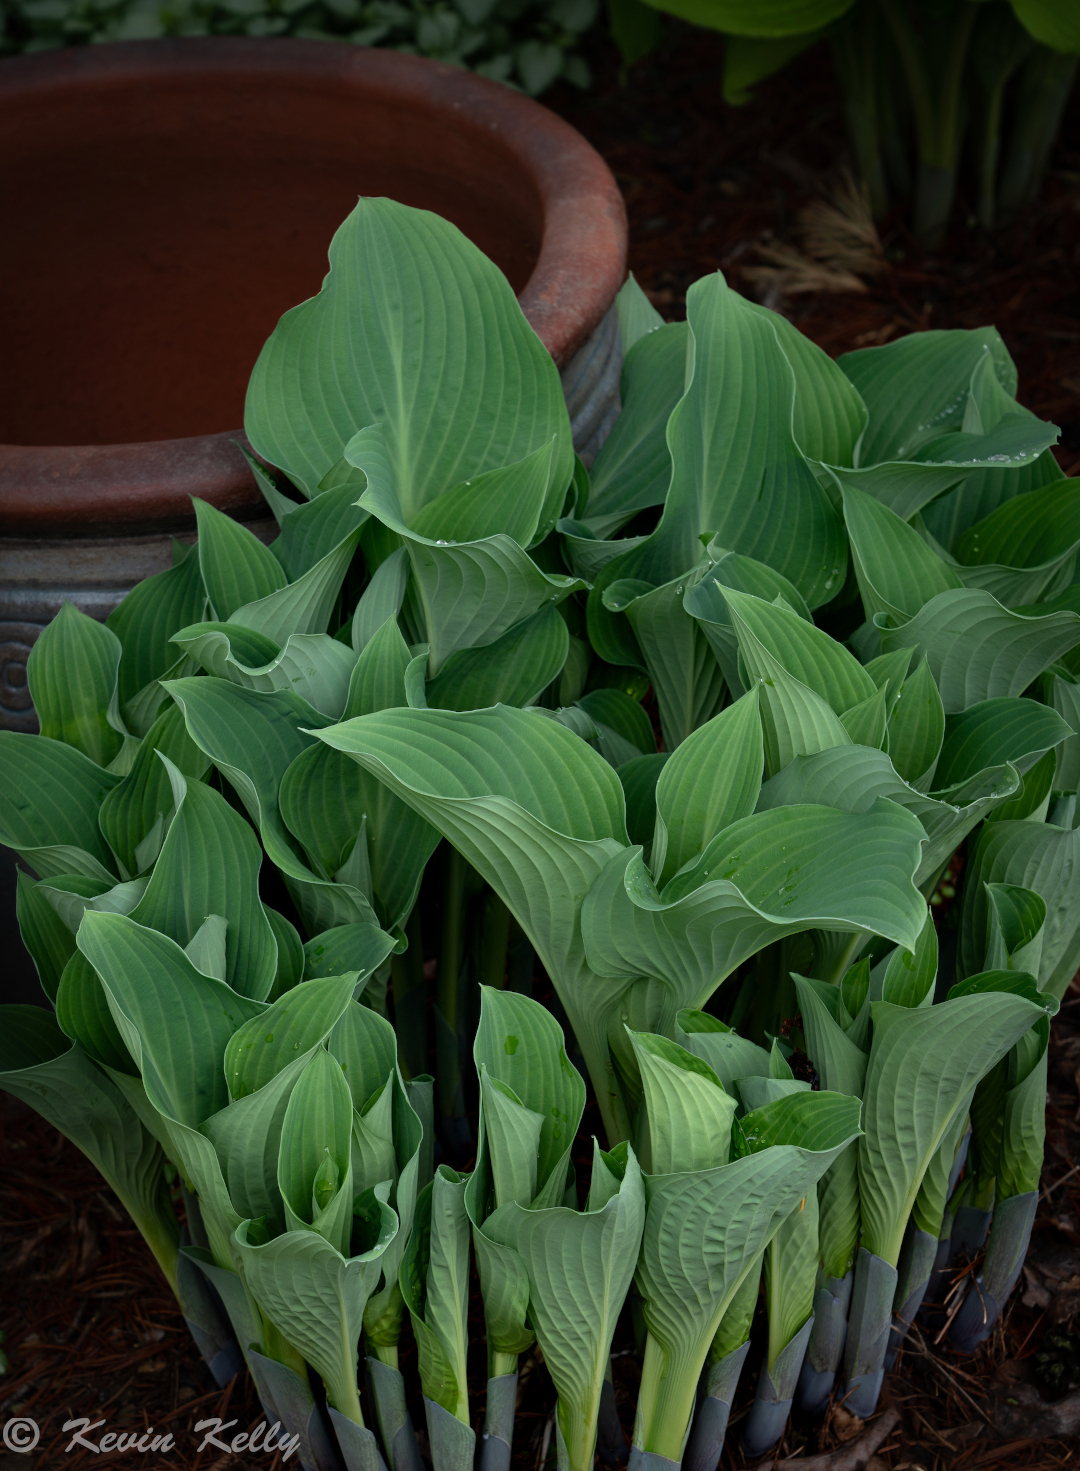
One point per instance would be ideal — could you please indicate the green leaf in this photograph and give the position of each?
(360, 948)
(689, 1112)
(639, 779)
(1026, 855)
(773, 637)
(766, 876)
(209, 864)
(147, 618)
(313, 530)
(633, 469)
(417, 330)
(58, 1080)
(897, 572)
(82, 1012)
(730, 1056)
(910, 974)
(378, 678)
(72, 673)
(513, 670)
(304, 606)
(712, 781)
(637, 315)
(236, 567)
(48, 939)
(993, 732)
(381, 599)
(923, 1068)
(180, 1019)
(314, 666)
(580, 1265)
(252, 739)
(623, 714)
(314, 1157)
(917, 727)
(978, 650)
(140, 806)
(434, 1281)
(507, 500)
(50, 796)
(1024, 543)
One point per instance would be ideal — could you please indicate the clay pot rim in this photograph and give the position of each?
(86, 490)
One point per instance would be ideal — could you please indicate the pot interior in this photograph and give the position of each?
(158, 224)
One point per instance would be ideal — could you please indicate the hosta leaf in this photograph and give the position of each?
(897, 572)
(315, 666)
(435, 1285)
(470, 592)
(72, 673)
(980, 494)
(580, 1266)
(381, 599)
(315, 1150)
(360, 948)
(689, 1112)
(148, 617)
(917, 726)
(978, 650)
(633, 469)
(82, 1011)
(994, 732)
(316, 1297)
(144, 799)
(924, 1066)
(683, 669)
(916, 388)
(414, 328)
(1027, 855)
(730, 1056)
(639, 780)
(796, 721)
(853, 779)
(252, 738)
(304, 606)
(236, 567)
(209, 864)
(509, 499)
(772, 637)
(512, 671)
(622, 714)
(183, 1020)
(378, 679)
(867, 722)
(1065, 698)
(325, 798)
(39, 1065)
(763, 877)
(50, 796)
(910, 975)
(314, 529)
(710, 782)
(49, 940)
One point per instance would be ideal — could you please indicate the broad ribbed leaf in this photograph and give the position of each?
(580, 1265)
(435, 1285)
(236, 567)
(771, 636)
(978, 650)
(910, 974)
(82, 1011)
(511, 671)
(50, 796)
(730, 1056)
(315, 666)
(209, 864)
(710, 782)
(993, 732)
(147, 618)
(360, 948)
(314, 1157)
(917, 727)
(633, 469)
(49, 940)
(896, 570)
(381, 599)
(314, 529)
(304, 606)
(267, 1044)
(182, 1018)
(689, 1112)
(1028, 855)
(769, 875)
(415, 329)
(1019, 549)
(924, 1066)
(72, 672)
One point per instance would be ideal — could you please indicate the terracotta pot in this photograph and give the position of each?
(165, 202)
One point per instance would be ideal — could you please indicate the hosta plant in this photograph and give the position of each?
(283, 784)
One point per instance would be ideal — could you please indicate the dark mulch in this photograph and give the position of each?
(705, 184)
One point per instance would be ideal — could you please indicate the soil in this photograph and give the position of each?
(90, 1329)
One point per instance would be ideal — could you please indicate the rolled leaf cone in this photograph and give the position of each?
(775, 1393)
(386, 1387)
(706, 1443)
(939, 1273)
(869, 1326)
(826, 1346)
(969, 1231)
(358, 1445)
(611, 1445)
(1005, 1252)
(232, 1295)
(916, 1264)
(498, 1436)
(207, 1321)
(453, 1444)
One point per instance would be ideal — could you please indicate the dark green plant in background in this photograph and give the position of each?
(923, 82)
(527, 43)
